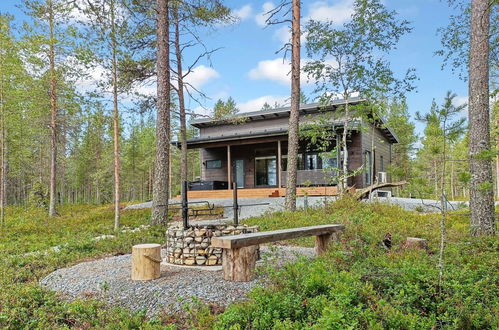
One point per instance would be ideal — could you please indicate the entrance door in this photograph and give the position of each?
(266, 171)
(238, 170)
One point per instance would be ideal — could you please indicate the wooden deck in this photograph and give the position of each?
(262, 192)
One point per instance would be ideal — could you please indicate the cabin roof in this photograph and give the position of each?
(271, 114)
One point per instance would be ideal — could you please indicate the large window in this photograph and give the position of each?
(266, 171)
(330, 163)
(311, 161)
(284, 163)
(213, 164)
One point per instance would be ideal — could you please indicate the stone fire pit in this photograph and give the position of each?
(192, 246)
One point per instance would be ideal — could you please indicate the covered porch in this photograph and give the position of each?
(258, 166)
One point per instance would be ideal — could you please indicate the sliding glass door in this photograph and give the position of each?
(266, 171)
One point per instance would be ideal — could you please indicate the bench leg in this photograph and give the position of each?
(239, 264)
(322, 243)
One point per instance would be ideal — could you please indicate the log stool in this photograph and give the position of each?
(146, 259)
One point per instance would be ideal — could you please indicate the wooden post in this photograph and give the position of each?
(322, 243)
(279, 163)
(146, 259)
(229, 168)
(239, 264)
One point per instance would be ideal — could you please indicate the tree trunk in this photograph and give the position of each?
(344, 175)
(181, 103)
(116, 122)
(53, 117)
(161, 174)
(293, 138)
(481, 191)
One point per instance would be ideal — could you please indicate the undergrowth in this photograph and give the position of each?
(360, 284)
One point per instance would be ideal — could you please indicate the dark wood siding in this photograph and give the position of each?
(382, 149)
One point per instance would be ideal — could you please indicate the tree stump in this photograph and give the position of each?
(239, 264)
(146, 259)
(415, 242)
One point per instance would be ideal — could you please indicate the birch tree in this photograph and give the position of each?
(351, 59)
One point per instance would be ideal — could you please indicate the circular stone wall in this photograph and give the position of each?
(192, 246)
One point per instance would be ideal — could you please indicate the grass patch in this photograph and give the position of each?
(23, 304)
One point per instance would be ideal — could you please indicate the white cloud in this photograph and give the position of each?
(200, 75)
(257, 104)
(279, 71)
(244, 12)
(459, 101)
(275, 70)
(322, 11)
(261, 17)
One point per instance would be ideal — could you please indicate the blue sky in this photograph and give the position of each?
(248, 69)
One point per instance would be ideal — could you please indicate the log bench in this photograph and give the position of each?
(240, 252)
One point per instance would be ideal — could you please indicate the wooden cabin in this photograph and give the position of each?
(251, 150)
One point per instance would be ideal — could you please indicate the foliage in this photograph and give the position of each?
(24, 304)
(224, 109)
(359, 284)
(455, 39)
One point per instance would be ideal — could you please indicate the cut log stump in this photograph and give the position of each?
(146, 259)
(239, 264)
(415, 242)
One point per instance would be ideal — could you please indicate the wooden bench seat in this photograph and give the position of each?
(240, 251)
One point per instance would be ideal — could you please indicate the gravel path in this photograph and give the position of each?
(109, 279)
(274, 204)
(277, 204)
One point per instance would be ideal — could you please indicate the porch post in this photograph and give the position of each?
(229, 168)
(278, 163)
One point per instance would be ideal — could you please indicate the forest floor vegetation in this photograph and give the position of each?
(359, 284)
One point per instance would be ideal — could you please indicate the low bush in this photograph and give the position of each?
(360, 284)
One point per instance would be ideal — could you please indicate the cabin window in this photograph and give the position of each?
(311, 161)
(284, 162)
(330, 163)
(213, 164)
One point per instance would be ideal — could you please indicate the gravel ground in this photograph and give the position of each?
(109, 279)
(274, 204)
(277, 204)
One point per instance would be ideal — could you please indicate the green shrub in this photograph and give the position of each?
(359, 284)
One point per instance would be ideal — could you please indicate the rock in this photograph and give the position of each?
(236, 232)
(204, 245)
(217, 233)
(188, 239)
(177, 252)
(179, 233)
(201, 251)
(240, 227)
(200, 232)
(198, 239)
(192, 245)
(415, 242)
(186, 251)
(230, 228)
